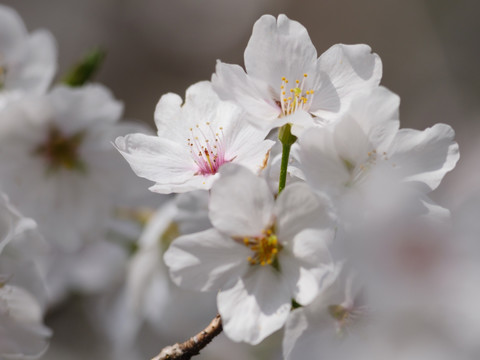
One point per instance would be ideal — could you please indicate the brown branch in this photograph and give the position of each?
(192, 346)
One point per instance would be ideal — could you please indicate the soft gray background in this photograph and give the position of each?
(430, 51)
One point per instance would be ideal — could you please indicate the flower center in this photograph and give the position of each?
(265, 248)
(359, 172)
(61, 151)
(295, 98)
(207, 148)
(346, 317)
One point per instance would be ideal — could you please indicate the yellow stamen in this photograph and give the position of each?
(265, 247)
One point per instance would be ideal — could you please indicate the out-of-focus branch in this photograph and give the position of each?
(192, 346)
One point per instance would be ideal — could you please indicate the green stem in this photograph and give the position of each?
(287, 139)
(284, 166)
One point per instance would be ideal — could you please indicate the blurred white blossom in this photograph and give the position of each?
(364, 161)
(22, 332)
(27, 61)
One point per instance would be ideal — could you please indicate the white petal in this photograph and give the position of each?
(241, 203)
(310, 212)
(78, 108)
(425, 156)
(370, 125)
(326, 103)
(279, 48)
(20, 304)
(21, 328)
(192, 211)
(205, 260)
(231, 83)
(167, 111)
(39, 55)
(174, 120)
(197, 182)
(12, 29)
(376, 113)
(350, 69)
(301, 121)
(155, 159)
(311, 330)
(9, 219)
(320, 161)
(246, 144)
(254, 306)
(304, 337)
(202, 105)
(303, 283)
(434, 211)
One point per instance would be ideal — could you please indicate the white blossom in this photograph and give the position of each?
(194, 140)
(22, 332)
(364, 161)
(259, 253)
(58, 165)
(148, 298)
(27, 61)
(284, 76)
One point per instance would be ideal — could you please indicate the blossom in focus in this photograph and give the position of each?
(259, 253)
(285, 80)
(27, 61)
(22, 332)
(194, 140)
(365, 161)
(58, 165)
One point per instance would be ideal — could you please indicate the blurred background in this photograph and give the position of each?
(430, 51)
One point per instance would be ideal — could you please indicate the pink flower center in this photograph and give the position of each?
(207, 148)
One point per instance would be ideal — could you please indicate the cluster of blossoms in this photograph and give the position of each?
(300, 204)
(314, 256)
(59, 168)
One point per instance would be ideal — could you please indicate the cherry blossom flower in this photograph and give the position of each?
(284, 76)
(259, 253)
(27, 61)
(58, 165)
(194, 140)
(364, 161)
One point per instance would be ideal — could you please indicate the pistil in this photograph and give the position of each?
(207, 148)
